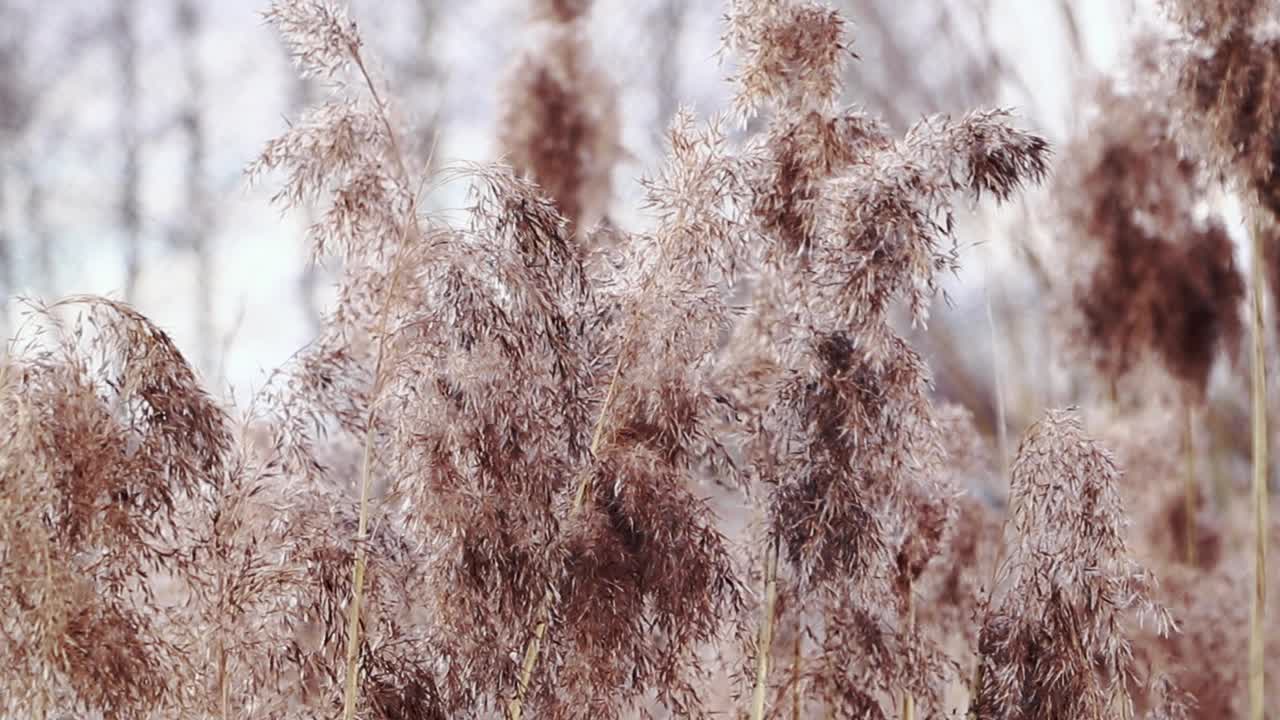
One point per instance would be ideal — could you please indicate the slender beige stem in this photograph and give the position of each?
(357, 580)
(796, 696)
(515, 708)
(766, 632)
(1257, 606)
(1190, 490)
(351, 691)
(224, 689)
(973, 692)
(909, 700)
(1002, 436)
(1002, 420)
(396, 156)
(1001, 549)
(362, 531)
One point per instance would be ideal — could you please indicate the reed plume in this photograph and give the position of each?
(1229, 81)
(560, 123)
(852, 220)
(1054, 642)
(1157, 280)
(111, 449)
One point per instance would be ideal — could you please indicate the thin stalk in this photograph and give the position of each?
(1002, 421)
(351, 692)
(396, 156)
(1257, 605)
(796, 695)
(995, 577)
(224, 688)
(357, 580)
(909, 700)
(362, 532)
(1003, 436)
(515, 708)
(1189, 489)
(973, 693)
(766, 632)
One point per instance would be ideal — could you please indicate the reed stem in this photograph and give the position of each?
(1257, 606)
(766, 632)
(997, 375)
(1190, 489)
(796, 695)
(909, 700)
(351, 691)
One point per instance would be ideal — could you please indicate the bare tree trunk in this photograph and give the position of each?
(196, 230)
(126, 47)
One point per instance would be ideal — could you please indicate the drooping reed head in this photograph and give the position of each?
(874, 218)
(111, 449)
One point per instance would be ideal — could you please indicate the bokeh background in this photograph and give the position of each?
(126, 125)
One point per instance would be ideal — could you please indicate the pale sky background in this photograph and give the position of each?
(72, 154)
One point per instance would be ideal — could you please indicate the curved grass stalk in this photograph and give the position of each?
(352, 692)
